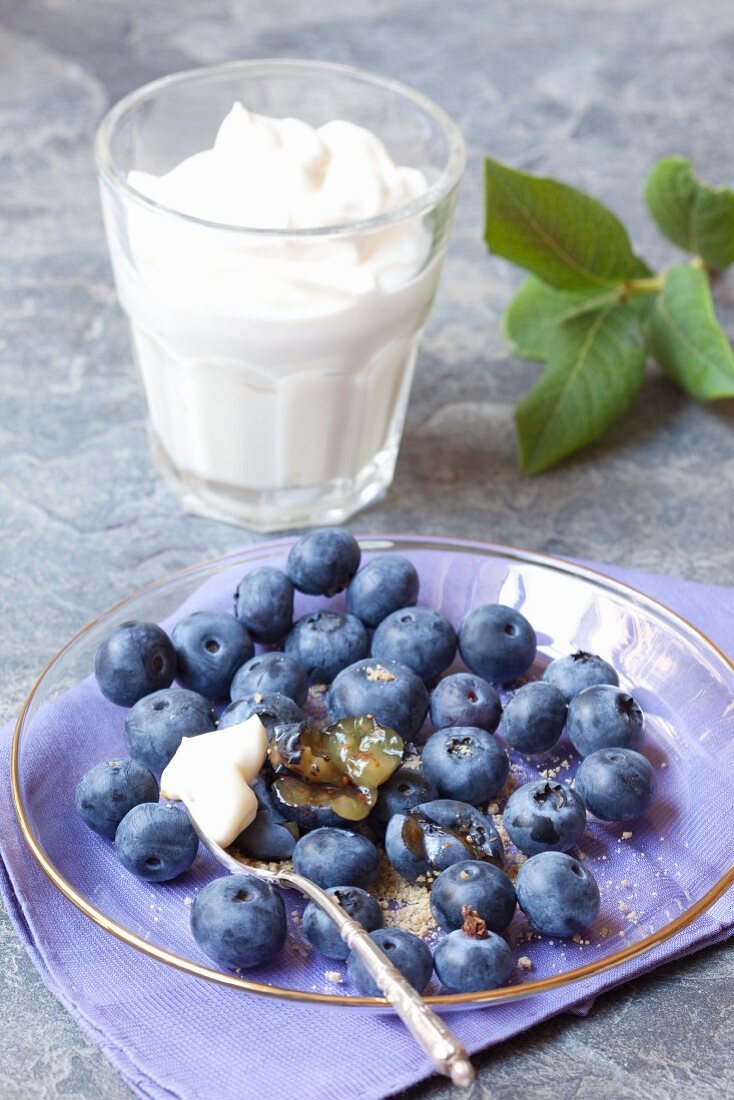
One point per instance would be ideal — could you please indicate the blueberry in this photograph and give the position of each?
(386, 689)
(465, 763)
(418, 637)
(465, 700)
(578, 671)
(616, 784)
(543, 816)
(435, 835)
(239, 921)
(385, 584)
(603, 717)
(497, 642)
(336, 857)
(156, 842)
(467, 964)
(134, 660)
(325, 642)
(322, 933)
(408, 954)
(323, 562)
(557, 894)
(270, 835)
(210, 647)
(482, 886)
(108, 790)
(155, 725)
(271, 672)
(405, 789)
(264, 603)
(273, 710)
(534, 718)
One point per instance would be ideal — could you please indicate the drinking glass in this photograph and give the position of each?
(276, 367)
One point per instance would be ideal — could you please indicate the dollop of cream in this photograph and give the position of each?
(267, 173)
(281, 173)
(213, 772)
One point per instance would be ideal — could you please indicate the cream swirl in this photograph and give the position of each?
(280, 174)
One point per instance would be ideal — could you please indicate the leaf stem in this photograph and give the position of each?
(652, 285)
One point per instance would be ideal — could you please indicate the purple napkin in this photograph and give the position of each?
(174, 1036)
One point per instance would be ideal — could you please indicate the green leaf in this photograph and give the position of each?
(595, 366)
(670, 193)
(537, 310)
(686, 339)
(714, 227)
(697, 217)
(560, 234)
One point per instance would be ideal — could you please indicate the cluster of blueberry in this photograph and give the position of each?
(429, 818)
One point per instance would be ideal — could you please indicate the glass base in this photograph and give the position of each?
(273, 510)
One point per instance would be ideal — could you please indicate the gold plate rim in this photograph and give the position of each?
(486, 997)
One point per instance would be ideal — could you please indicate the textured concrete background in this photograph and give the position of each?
(591, 91)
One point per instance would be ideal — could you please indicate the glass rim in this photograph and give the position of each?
(450, 175)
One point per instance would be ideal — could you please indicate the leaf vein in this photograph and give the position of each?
(583, 353)
(552, 243)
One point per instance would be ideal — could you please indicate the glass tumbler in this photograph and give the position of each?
(276, 370)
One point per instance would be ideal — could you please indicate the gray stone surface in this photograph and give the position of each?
(590, 91)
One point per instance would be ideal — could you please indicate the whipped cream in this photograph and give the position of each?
(212, 773)
(280, 173)
(276, 364)
(266, 173)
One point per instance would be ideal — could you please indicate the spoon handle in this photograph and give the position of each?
(428, 1029)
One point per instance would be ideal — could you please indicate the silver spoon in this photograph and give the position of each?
(427, 1028)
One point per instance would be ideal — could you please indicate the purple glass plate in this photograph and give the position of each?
(655, 875)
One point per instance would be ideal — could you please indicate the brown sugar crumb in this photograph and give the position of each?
(299, 947)
(333, 976)
(473, 925)
(464, 874)
(264, 865)
(318, 689)
(406, 905)
(626, 836)
(525, 963)
(493, 808)
(258, 697)
(379, 673)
